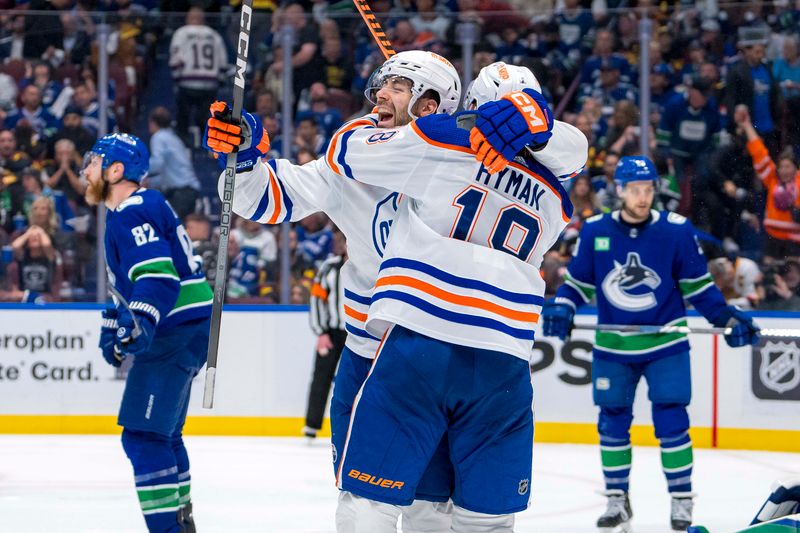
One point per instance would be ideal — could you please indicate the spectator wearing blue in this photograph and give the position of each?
(750, 82)
(314, 239)
(603, 50)
(661, 91)
(688, 132)
(609, 88)
(32, 111)
(786, 70)
(171, 169)
(85, 97)
(42, 77)
(575, 27)
(328, 118)
(512, 49)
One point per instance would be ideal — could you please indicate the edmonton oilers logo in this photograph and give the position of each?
(382, 221)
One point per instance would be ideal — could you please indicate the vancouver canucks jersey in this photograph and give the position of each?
(462, 264)
(280, 191)
(150, 261)
(640, 276)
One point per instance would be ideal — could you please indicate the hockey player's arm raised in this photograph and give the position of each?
(399, 159)
(271, 192)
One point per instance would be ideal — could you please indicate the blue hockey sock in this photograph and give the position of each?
(156, 476)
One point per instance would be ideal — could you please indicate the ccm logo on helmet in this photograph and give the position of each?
(530, 109)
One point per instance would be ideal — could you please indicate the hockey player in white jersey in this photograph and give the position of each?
(460, 292)
(364, 213)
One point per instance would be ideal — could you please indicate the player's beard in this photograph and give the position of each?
(636, 213)
(96, 192)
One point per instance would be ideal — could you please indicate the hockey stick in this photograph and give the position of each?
(227, 201)
(769, 332)
(375, 28)
(137, 329)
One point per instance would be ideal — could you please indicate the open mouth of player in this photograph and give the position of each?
(385, 118)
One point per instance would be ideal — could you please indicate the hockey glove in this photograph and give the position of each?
(108, 334)
(248, 138)
(557, 320)
(129, 341)
(507, 125)
(743, 330)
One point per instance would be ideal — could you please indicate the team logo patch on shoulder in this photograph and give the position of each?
(131, 200)
(381, 137)
(602, 244)
(675, 218)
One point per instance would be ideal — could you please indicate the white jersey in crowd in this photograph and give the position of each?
(433, 278)
(280, 191)
(197, 56)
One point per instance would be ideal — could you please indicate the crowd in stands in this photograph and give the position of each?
(724, 86)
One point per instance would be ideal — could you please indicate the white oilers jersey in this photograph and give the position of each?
(280, 191)
(433, 278)
(197, 56)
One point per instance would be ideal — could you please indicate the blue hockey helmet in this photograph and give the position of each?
(128, 149)
(635, 168)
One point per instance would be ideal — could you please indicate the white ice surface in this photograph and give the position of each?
(83, 484)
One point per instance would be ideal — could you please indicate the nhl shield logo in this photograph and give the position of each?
(523, 487)
(778, 375)
(334, 452)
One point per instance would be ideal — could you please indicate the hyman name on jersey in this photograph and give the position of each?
(513, 183)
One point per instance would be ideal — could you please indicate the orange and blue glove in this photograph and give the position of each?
(507, 125)
(247, 139)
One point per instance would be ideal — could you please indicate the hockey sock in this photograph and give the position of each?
(469, 521)
(616, 457)
(184, 476)
(156, 476)
(677, 460)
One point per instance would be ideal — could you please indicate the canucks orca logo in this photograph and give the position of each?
(623, 279)
(382, 221)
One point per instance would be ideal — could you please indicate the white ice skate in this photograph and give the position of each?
(617, 518)
(681, 515)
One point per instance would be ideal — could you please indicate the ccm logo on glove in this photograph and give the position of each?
(537, 121)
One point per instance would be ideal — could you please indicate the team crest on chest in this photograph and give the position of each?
(623, 279)
(382, 221)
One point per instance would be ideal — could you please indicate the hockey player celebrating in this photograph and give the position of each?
(162, 319)
(456, 299)
(408, 85)
(641, 264)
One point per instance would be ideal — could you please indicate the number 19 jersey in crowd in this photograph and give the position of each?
(433, 279)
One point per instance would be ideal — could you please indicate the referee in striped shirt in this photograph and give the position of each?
(327, 321)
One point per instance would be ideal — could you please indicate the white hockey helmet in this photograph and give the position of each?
(496, 80)
(426, 71)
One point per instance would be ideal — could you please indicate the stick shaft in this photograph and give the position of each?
(221, 276)
(767, 332)
(375, 28)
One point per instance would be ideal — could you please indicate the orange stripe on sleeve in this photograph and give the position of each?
(276, 196)
(332, 148)
(349, 311)
(468, 301)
